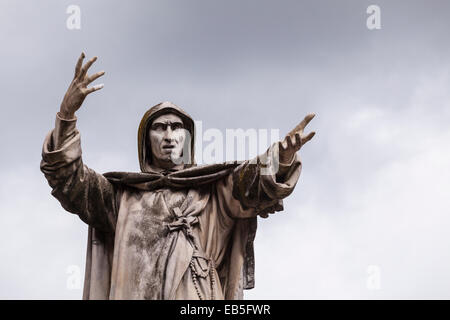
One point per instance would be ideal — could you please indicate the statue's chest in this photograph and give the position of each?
(173, 198)
(150, 214)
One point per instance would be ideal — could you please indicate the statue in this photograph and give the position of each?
(175, 230)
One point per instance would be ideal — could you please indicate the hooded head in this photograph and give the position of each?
(144, 142)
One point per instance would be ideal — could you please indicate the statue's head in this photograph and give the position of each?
(166, 138)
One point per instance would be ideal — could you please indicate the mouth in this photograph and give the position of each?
(168, 147)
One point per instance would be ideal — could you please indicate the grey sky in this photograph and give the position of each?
(375, 180)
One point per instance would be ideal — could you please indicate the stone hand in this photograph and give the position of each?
(294, 140)
(78, 89)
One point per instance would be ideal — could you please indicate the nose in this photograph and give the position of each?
(168, 134)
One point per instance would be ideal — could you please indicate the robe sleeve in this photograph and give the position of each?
(257, 186)
(79, 189)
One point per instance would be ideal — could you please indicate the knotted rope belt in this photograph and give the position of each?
(207, 266)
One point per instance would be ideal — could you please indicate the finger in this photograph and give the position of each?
(308, 137)
(290, 142)
(79, 64)
(298, 141)
(93, 77)
(302, 124)
(283, 144)
(94, 88)
(85, 68)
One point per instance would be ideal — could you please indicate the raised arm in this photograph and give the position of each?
(78, 90)
(79, 189)
(257, 186)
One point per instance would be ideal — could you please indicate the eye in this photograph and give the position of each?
(158, 127)
(177, 125)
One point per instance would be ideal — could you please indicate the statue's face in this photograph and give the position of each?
(167, 136)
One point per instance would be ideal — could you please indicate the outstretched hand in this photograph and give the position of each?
(78, 89)
(294, 140)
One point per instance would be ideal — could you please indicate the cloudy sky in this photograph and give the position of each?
(369, 217)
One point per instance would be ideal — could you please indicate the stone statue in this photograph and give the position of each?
(175, 230)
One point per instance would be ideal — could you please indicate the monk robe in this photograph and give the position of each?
(166, 234)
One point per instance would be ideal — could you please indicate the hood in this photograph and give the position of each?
(144, 146)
